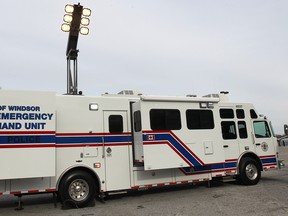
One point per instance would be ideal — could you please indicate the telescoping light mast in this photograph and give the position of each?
(75, 20)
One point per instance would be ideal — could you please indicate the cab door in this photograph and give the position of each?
(229, 133)
(264, 142)
(116, 150)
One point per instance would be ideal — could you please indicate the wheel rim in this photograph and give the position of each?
(79, 189)
(251, 171)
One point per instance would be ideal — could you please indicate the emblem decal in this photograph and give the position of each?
(264, 146)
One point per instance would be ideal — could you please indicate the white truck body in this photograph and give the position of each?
(126, 142)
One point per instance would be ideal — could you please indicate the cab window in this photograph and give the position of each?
(228, 130)
(261, 129)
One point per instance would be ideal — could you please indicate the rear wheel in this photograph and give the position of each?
(77, 188)
(250, 172)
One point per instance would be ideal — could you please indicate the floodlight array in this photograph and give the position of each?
(68, 18)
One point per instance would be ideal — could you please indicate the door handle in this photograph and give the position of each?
(225, 146)
(103, 147)
(258, 144)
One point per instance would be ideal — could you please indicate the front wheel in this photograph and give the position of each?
(77, 187)
(250, 172)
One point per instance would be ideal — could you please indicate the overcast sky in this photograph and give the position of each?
(159, 47)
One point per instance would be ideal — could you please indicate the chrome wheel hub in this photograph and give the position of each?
(251, 171)
(78, 189)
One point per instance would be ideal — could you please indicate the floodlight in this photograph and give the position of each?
(86, 12)
(75, 21)
(85, 21)
(68, 18)
(69, 8)
(65, 27)
(84, 30)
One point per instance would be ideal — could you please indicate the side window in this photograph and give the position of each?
(165, 119)
(199, 119)
(253, 114)
(261, 129)
(240, 113)
(242, 129)
(228, 130)
(115, 124)
(137, 121)
(226, 113)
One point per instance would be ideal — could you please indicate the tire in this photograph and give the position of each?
(77, 188)
(250, 172)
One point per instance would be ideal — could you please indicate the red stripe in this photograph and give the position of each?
(180, 141)
(231, 160)
(171, 146)
(27, 132)
(86, 144)
(15, 192)
(61, 145)
(268, 156)
(230, 169)
(156, 143)
(270, 164)
(180, 155)
(205, 172)
(118, 144)
(33, 191)
(92, 134)
(186, 147)
(155, 131)
(170, 183)
(51, 190)
(76, 145)
(28, 146)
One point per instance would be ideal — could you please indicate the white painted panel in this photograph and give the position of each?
(27, 134)
(152, 177)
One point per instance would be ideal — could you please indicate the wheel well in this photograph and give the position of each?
(250, 155)
(85, 169)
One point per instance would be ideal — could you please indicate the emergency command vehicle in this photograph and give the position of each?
(83, 146)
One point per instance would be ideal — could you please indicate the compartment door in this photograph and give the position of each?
(137, 133)
(116, 150)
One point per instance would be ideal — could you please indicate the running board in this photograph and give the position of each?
(117, 192)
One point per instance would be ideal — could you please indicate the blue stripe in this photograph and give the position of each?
(93, 139)
(268, 160)
(230, 164)
(208, 167)
(23, 139)
(177, 145)
(112, 139)
(74, 139)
